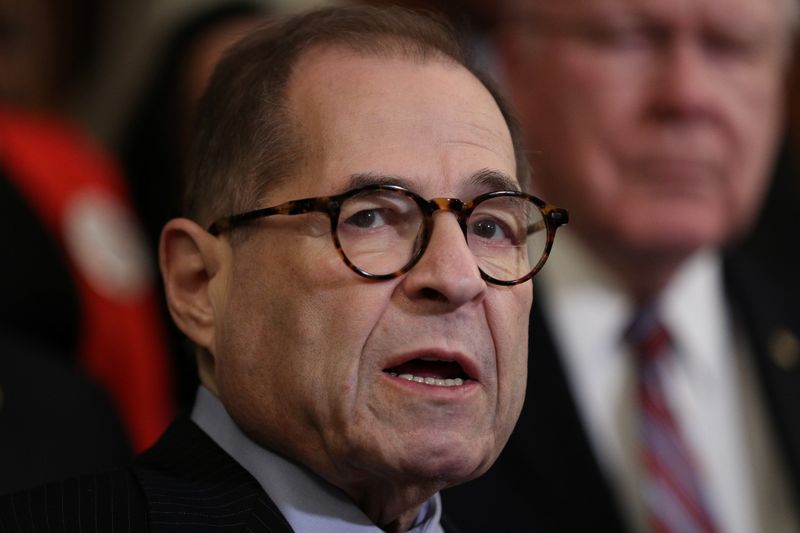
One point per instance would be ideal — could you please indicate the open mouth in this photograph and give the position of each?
(430, 371)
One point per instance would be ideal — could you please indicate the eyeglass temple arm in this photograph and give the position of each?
(556, 215)
(294, 207)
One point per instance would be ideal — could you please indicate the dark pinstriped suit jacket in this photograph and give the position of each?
(186, 483)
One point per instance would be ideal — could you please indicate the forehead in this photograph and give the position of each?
(431, 123)
(761, 15)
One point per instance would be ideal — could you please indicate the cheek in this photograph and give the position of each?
(508, 316)
(748, 193)
(575, 146)
(295, 347)
(758, 131)
(321, 326)
(509, 325)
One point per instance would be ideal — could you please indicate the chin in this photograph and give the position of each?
(684, 243)
(674, 236)
(452, 462)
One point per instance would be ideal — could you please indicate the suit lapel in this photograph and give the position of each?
(192, 485)
(768, 312)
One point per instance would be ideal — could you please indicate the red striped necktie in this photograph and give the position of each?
(671, 493)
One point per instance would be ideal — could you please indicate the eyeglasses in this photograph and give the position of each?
(381, 231)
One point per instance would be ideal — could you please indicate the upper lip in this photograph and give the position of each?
(468, 364)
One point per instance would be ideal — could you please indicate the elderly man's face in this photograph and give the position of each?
(653, 121)
(304, 346)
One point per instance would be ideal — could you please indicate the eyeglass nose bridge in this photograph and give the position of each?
(459, 208)
(552, 218)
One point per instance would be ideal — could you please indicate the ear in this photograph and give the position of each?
(190, 258)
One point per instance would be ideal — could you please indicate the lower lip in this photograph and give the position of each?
(468, 385)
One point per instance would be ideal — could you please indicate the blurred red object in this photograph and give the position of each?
(79, 195)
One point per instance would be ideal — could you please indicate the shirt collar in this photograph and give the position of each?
(694, 309)
(586, 302)
(593, 307)
(308, 502)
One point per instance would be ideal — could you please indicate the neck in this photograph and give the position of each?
(393, 508)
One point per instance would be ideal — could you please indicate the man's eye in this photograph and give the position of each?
(625, 35)
(613, 35)
(368, 218)
(489, 229)
(732, 46)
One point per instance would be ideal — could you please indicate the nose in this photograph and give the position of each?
(684, 84)
(447, 272)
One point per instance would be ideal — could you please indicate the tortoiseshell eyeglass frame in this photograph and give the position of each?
(552, 216)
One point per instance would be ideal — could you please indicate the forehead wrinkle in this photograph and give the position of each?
(469, 143)
(486, 126)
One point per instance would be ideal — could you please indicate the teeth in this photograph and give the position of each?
(457, 382)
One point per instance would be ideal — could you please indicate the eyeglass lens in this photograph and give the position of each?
(380, 231)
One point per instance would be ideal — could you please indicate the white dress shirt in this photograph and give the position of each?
(589, 311)
(309, 503)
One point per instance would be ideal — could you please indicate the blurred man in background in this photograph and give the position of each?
(664, 376)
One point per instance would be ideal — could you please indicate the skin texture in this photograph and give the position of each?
(656, 122)
(297, 343)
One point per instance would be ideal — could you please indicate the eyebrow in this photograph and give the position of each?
(494, 180)
(371, 178)
(487, 179)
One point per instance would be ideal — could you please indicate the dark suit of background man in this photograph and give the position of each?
(655, 123)
(365, 352)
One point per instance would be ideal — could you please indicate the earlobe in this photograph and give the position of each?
(189, 258)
